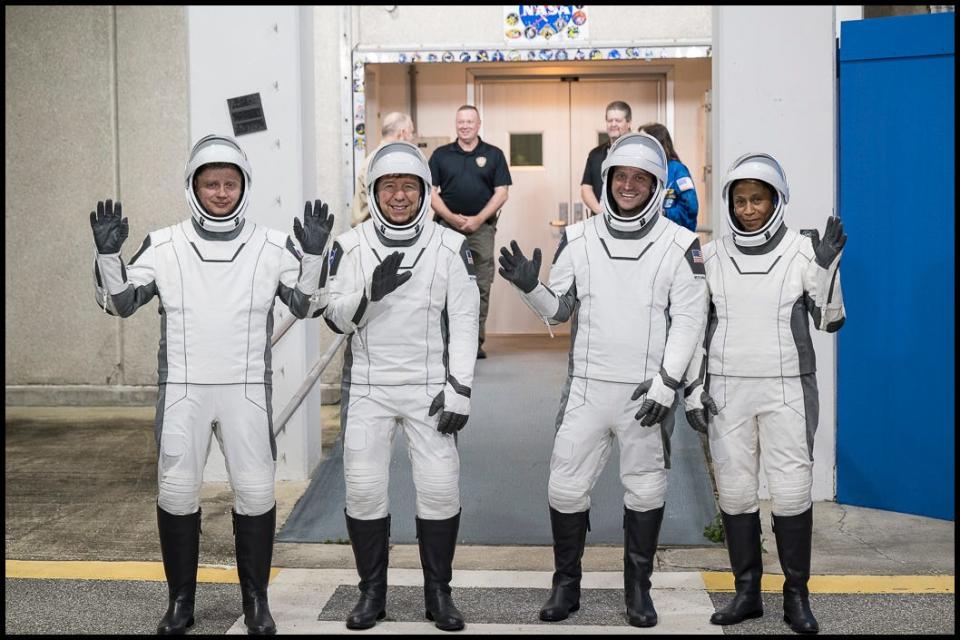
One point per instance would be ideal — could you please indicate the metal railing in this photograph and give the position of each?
(281, 422)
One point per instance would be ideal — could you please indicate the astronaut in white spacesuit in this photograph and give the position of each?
(756, 375)
(410, 357)
(217, 277)
(632, 280)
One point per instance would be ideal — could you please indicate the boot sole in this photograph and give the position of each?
(803, 631)
(354, 625)
(575, 607)
(749, 616)
(178, 632)
(454, 627)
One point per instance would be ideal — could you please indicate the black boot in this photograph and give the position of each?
(569, 537)
(438, 542)
(254, 544)
(641, 531)
(743, 544)
(794, 534)
(180, 547)
(370, 540)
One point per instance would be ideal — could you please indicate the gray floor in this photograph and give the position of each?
(505, 463)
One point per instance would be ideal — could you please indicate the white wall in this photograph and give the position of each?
(429, 25)
(774, 79)
(235, 51)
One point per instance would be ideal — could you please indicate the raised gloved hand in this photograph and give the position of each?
(385, 277)
(456, 409)
(659, 399)
(517, 269)
(109, 229)
(315, 230)
(831, 244)
(699, 405)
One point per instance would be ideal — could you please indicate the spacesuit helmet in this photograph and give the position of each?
(398, 158)
(764, 168)
(209, 149)
(641, 151)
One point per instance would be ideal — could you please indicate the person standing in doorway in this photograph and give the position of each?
(680, 201)
(618, 117)
(470, 183)
(396, 126)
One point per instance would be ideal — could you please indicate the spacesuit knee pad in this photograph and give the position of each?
(366, 494)
(438, 494)
(645, 491)
(737, 494)
(567, 495)
(179, 495)
(791, 494)
(254, 495)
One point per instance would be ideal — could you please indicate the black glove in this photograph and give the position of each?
(657, 403)
(385, 277)
(449, 422)
(315, 230)
(518, 270)
(109, 230)
(832, 243)
(698, 418)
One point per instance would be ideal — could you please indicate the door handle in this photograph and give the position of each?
(563, 213)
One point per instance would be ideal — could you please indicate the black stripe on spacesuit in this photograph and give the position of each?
(754, 273)
(612, 257)
(800, 327)
(360, 309)
(143, 247)
(459, 388)
(560, 247)
(231, 259)
(333, 258)
(292, 248)
(158, 418)
(345, 379)
(409, 266)
(467, 258)
(811, 407)
(767, 246)
(695, 266)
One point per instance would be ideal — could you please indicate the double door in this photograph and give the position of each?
(546, 127)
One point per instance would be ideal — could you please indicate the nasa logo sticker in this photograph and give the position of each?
(481, 161)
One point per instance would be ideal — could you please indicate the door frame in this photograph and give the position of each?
(600, 70)
(600, 55)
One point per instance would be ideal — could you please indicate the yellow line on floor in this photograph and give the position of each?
(722, 581)
(87, 570)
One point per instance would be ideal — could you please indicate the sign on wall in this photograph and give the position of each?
(525, 24)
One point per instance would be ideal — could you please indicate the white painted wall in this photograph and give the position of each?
(775, 92)
(235, 51)
(430, 25)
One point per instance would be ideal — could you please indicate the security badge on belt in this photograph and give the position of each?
(481, 161)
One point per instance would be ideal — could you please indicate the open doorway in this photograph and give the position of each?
(545, 116)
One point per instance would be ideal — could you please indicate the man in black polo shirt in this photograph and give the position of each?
(470, 180)
(618, 123)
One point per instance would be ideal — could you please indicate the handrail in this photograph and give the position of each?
(282, 329)
(281, 422)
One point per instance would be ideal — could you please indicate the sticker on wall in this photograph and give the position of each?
(526, 24)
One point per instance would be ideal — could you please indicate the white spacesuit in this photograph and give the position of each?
(758, 379)
(410, 353)
(634, 286)
(217, 279)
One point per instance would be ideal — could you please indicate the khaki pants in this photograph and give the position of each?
(482, 245)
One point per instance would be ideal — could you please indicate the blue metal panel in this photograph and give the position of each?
(895, 378)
